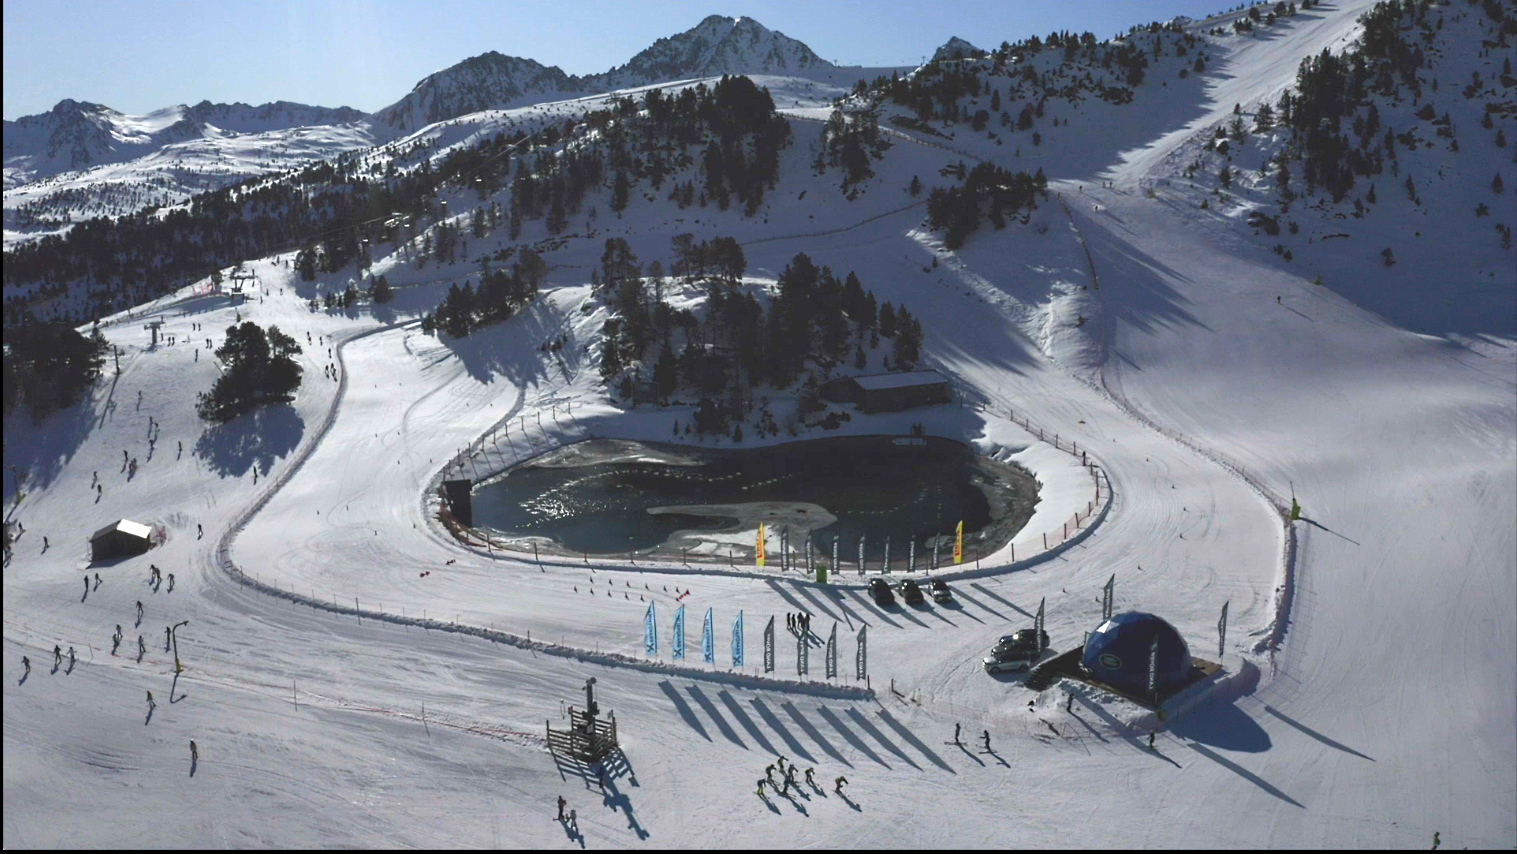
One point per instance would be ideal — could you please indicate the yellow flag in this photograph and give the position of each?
(759, 550)
(958, 544)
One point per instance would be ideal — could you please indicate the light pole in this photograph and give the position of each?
(174, 637)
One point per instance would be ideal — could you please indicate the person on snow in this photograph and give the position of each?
(780, 763)
(45, 544)
(150, 704)
(986, 736)
(1150, 740)
(141, 647)
(171, 582)
(116, 640)
(70, 658)
(86, 585)
(809, 781)
(760, 790)
(97, 581)
(167, 637)
(574, 820)
(194, 751)
(57, 656)
(956, 728)
(769, 771)
(561, 802)
(199, 531)
(26, 663)
(839, 783)
(139, 610)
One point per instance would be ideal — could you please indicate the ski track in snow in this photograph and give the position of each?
(1382, 715)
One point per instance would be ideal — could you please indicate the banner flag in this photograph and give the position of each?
(784, 549)
(708, 641)
(1106, 597)
(861, 658)
(802, 653)
(769, 646)
(679, 633)
(759, 549)
(650, 630)
(887, 555)
(737, 640)
(935, 541)
(1037, 625)
(810, 562)
(911, 557)
(958, 544)
(832, 653)
(834, 554)
(861, 555)
(1222, 631)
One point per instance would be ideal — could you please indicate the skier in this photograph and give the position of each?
(86, 585)
(1150, 739)
(152, 573)
(166, 638)
(986, 736)
(57, 656)
(780, 763)
(97, 581)
(956, 728)
(760, 790)
(839, 783)
(769, 772)
(790, 777)
(194, 751)
(45, 545)
(171, 582)
(94, 479)
(27, 664)
(70, 658)
(199, 531)
(150, 704)
(574, 821)
(561, 802)
(141, 647)
(139, 610)
(116, 639)
(809, 781)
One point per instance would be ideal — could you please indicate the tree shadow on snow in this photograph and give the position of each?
(42, 450)
(512, 349)
(1224, 726)
(252, 440)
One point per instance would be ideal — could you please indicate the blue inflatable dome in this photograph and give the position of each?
(1117, 653)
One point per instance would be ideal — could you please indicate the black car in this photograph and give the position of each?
(1021, 638)
(911, 592)
(881, 592)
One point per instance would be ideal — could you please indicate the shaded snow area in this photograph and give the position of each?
(354, 675)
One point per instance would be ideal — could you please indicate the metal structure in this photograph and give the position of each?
(589, 738)
(153, 327)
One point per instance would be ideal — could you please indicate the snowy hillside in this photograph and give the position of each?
(492, 287)
(75, 135)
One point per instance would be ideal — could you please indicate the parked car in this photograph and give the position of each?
(881, 592)
(1021, 637)
(911, 592)
(1010, 659)
(940, 592)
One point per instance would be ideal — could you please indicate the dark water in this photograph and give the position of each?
(874, 487)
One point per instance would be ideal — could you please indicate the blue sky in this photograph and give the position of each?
(145, 54)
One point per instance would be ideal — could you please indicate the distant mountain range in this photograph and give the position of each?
(492, 81)
(78, 134)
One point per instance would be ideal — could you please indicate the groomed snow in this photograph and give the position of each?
(1385, 714)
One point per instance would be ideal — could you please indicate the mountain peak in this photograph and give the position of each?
(957, 48)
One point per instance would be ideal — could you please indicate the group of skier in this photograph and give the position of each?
(787, 779)
(798, 623)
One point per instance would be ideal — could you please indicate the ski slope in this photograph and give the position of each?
(1385, 714)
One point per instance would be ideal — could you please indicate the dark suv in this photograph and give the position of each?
(881, 592)
(911, 592)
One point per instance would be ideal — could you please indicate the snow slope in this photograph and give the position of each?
(1383, 716)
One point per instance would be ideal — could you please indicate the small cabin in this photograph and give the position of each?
(121, 538)
(889, 392)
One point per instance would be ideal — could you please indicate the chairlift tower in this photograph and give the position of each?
(153, 327)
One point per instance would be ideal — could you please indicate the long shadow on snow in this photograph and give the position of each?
(254, 439)
(42, 450)
(509, 349)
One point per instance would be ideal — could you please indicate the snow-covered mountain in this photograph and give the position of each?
(78, 134)
(957, 48)
(492, 81)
